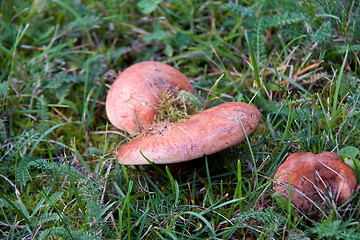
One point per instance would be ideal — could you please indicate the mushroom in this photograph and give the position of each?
(312, 178)
(132, 105)
(202, 134)
(132, 98)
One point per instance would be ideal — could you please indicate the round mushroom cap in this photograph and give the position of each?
(202, 134)
(132, 98)
(315, 177)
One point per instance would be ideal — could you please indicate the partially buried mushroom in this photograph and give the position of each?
(132, 105)
(315, 178)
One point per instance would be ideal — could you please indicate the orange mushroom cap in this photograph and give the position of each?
(132, 98)
(313, 176)
(202, 134)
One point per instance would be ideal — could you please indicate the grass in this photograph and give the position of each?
(297, 61)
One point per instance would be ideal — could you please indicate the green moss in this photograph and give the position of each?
(176, 107)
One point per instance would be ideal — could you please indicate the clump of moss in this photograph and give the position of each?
(176, 107)
(173, 106)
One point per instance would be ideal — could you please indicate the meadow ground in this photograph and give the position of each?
(296, 61)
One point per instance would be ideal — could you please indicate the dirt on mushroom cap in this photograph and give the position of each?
(202, 134)
(132, 98)
(311, 173)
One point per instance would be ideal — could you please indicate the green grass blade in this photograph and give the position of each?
(334, 109)
(197, 215)
(43, 135)
(254, 62)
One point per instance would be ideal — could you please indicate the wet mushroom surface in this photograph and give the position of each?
(321, 178)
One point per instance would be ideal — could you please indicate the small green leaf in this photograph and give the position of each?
(350, 151)
(349, 162)
(148, 6)
(351, 156)
(181, 40)
(3, 88)
(156, 35)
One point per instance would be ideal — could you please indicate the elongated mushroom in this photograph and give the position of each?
(202, 134)
(315, 178)
(132, 98)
